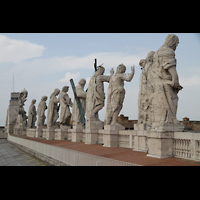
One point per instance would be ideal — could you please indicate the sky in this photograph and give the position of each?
(42, 62)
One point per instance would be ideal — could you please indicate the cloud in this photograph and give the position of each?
(58, 64)
(69, 76)
(17, 51)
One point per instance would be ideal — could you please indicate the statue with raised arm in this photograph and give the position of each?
(116, 94)
(95, 94)
(52, 114)
(32, 115)
(81, 94)
(165, 82)
(41, 112)
(65, 103)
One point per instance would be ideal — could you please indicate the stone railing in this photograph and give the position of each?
(61, 156)
(186, 145)
(182, 148)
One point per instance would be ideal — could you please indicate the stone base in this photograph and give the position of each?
(19, 131)
(140, 143)
(91, 136)
(31, 132)
(160, 144)
(50, 133)
(167, 127)
(20, 127)
(77, 136)
(94, 124)
(44, 132)
(77, 133)
(61, 134)
(38, 133)
(111, 135)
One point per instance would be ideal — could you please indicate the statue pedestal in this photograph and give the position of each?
(20, 127)
(31, 132)
(62, 133)
(160, 144)
(38, 133)
(77, 133)
(91, 136)
(111, 135)
(165, 127)
(91, 131)
(50, 133)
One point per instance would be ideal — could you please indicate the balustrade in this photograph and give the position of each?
(182, 148)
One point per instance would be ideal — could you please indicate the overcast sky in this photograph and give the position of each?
(42, 62)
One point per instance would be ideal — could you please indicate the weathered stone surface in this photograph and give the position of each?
(95, 96)
(41, 112)
(32, 115)
(81, 94)
(65, 103)
(53, 109)
(159, 86)
(116, 94)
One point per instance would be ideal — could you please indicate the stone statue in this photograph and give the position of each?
(65, 102)
(95, 94)
(116, 94)
(76, 116)
(145, 91)
(53, 108)
(23, 98)
(32, 115)
(41, 112)
(165, 82)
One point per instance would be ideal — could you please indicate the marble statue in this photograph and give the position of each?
(116, 94)
(159, 86)
(95, 95)
(65, 103)
(53, 108)
(76, 116)
(145, 91)
(41, 112)
(22, 99)
(32, 115)
(165, 82)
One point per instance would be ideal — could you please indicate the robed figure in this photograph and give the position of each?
(65, 103)
(53, 108)
(41, 111)
(81, 94)
(32, 115)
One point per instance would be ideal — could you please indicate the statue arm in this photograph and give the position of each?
(175, 79)
(81, 93)
(104, 78)
(130, 76)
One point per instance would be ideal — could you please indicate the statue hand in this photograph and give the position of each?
(133, 68)
(112, 71)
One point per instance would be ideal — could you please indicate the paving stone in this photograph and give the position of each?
(12, 156)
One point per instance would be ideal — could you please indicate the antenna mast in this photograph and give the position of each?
(13, 83)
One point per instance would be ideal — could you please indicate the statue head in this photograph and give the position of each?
(100, 71)
(150, 55)
(172, 41)
(24, 94)
(44, 98)
(33, 101)
(55, 93)
(65, 89)
(121, 69)
(82, 82)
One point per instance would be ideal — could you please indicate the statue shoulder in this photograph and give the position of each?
(166, 51)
